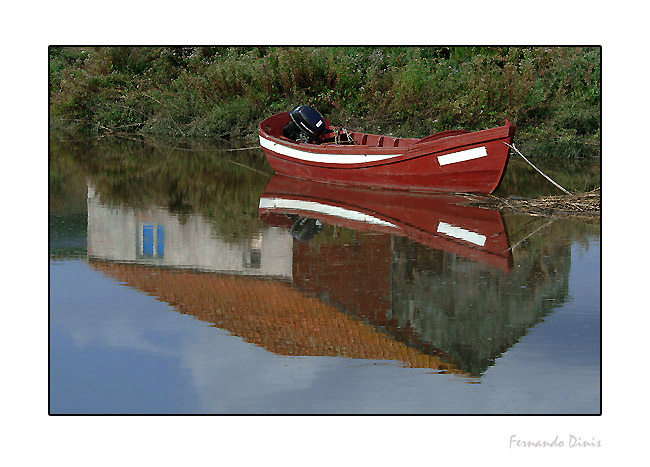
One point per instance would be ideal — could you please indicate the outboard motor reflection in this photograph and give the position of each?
(304, 228)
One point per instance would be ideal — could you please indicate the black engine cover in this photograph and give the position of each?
(309, 121)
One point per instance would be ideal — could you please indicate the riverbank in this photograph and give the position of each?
(551, 93)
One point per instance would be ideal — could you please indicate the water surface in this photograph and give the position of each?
(192, 280)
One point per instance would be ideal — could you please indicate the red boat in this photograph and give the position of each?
(449, 161)
(439, 221)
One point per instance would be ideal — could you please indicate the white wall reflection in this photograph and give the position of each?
(154, 236)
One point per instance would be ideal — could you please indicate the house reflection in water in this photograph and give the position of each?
(364, 294)
(156, 237)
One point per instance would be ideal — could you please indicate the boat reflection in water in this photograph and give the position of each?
(341, 272)
(439, 221)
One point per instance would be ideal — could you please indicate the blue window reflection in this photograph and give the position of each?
(153, 241)
(160, 250)
(147, 240)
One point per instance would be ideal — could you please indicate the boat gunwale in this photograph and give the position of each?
(397, 154)
(380, 150)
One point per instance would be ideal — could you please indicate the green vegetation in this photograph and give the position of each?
(552, 94)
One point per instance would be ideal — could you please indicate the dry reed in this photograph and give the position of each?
(574, 205)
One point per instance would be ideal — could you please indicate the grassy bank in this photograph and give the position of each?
(552, 94)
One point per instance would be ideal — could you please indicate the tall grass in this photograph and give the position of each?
(552, 94)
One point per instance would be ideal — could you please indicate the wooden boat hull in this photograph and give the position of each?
(469, 162)
(439, 221)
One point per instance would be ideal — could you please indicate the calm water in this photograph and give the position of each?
(195, 281)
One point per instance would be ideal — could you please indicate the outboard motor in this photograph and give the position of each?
(306, 125)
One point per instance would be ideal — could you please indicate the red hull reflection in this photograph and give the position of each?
(439, 221)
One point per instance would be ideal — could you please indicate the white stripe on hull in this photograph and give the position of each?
(461, 156)
(312, 206)
(343, 159)
(321, 157)
(462, 234)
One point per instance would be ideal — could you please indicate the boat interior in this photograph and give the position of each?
(274, 126)
(378, 141)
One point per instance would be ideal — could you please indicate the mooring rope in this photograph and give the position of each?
(208, 150)
(218, 150)
(533, 166)
(244, 149)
